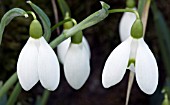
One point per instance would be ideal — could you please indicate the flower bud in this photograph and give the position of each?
(35, 29)
(137, 29)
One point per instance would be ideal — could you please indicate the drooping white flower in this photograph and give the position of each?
(145, 66)
(77, 64)
(37, 61)
(63, 47)
(125, 25)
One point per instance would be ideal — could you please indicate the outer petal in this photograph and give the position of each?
(27, 65)
(125, 25)
(116, 64)
(85, 42)
(63, 47)
(146, 69)
(76, 65)
(48, 66)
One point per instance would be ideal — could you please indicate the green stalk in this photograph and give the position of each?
(60, 23)
(45, 97)
(33, 14)
(125, 10)
(13, 97)
(8, 84)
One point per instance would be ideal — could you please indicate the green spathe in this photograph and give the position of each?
(137, 29)
(35, 29)
(77, 38)
(69, 24)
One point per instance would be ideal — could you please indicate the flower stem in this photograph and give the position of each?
(33, 14)
(125, 10)
(60, 23)
(13, 97)
(45, 97)
(130, 83)
(8, 84)
(57, 41)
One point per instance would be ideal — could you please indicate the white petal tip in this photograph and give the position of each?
(26, 88)
(106, 85)
(148, 91)
(78, 82)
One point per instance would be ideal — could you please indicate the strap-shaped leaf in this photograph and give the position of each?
(163, 35)
(6, 19)
(90, 20)
(64, 7)
(141, 5)
(87, 22)
(44, 18)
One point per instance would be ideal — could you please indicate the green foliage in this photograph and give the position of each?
(44, 19)
(163, 35)
(64, 7)
(6, 19)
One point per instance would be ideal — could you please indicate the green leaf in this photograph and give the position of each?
(59, 24)
(87, 22)
(6, 19)
(45, 97)
(44, 18)
(13, 97)
(8, 84)
(64, 7)
(141, 5)
(163, 34)
(90, 20)
(3, 99)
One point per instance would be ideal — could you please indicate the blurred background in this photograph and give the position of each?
(102, 38)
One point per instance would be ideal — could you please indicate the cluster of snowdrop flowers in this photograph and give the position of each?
(37, 61)
(135, 55)
(74, 54)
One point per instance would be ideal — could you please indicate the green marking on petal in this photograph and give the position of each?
(131, 61)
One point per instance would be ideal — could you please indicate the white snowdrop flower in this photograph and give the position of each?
(125, 25)
(77, 64)
(37, 61)
(63, 47)
(141, 61)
